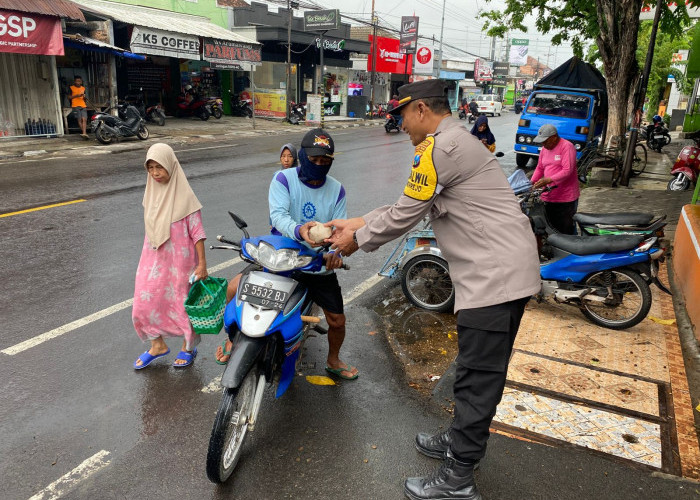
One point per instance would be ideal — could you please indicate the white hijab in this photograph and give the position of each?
(164, 204)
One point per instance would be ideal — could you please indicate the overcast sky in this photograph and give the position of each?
(462, 26)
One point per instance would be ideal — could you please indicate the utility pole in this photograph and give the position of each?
(289, 59)
(323, 79)
(442, 30)
(374, 63)
(639, 99)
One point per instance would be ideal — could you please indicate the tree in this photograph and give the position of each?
(612, 24)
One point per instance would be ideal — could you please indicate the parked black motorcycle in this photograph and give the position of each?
(240, 107)
(153, 113)
(392, 124)
(107, 127)
(657, 135)
(297, 113)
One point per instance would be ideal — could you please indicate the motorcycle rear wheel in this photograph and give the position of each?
(679, 183)
(103, 136)
(217, 113)
(230, 428)
(630, 303)
(425, 281)
(143, 133)
(204, 114)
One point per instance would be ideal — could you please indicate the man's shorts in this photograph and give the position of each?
(80, 112)
(324, 290)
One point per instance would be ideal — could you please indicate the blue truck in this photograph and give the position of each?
(573, 98)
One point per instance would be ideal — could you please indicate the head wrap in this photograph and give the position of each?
(486, 134)
(309, 171)
(292, 150)
(164, 204)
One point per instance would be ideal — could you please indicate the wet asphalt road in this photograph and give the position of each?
(76, 395)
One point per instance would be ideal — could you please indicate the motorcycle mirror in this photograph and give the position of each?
(240, 223)
(500, 154)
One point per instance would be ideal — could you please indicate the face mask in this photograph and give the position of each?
(310, 171)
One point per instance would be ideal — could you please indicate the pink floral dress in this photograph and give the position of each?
(162, 283)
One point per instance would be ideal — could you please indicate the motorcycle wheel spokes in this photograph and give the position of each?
(679, 183)
(426, 282)
(230, 428)
(629, 304)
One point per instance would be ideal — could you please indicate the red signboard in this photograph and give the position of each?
(389, 60)
(25, 33)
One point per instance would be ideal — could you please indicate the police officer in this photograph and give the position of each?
(494, 266)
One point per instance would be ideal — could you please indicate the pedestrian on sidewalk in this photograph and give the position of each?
(494, 266)
(288, 156)
(173, 250)
(556, 167)
(77, 102)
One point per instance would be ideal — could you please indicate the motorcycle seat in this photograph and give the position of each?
(131, 122)
(589, 245)
(616, 219)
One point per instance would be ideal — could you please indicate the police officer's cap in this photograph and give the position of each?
(419, 90)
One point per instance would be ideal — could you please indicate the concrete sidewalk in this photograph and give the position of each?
(627, 395)
(178, 130)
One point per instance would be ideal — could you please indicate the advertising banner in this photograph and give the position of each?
(321, 20)
(164, 43)
(389, 59)
(518, 51)
(313, 109)
(228, 52)
(270, 103)
(425, 55)
(25, 33)
(500, 69)
(408, 37)
(483, 71)
(647, 13)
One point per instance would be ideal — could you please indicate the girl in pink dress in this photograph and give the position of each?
(173, 249)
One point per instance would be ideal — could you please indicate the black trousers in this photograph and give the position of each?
(561, 215)
(486, 336)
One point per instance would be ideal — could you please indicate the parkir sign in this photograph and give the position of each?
(24, 33)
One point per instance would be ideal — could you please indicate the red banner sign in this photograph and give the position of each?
(25, 33)
(389, 59)
(224, 51)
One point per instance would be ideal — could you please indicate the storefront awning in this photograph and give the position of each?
(57, 8)
(85, 43)
(164, 20)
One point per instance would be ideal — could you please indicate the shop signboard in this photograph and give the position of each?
(648, 11)
(518, 51)
(313, 109)
(500, 68)
(164, 43)
(321, 20)
(425, 56)
(227, 52)
(483, 71)
(332, 44)
(408, 37)
(270, 103)
(389, 59)
(25, 33)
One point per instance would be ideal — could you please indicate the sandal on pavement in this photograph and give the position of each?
(187, 357)
(339, 372)
(224, 352)
(146, 359)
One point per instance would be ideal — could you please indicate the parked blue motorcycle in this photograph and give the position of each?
(268, 322)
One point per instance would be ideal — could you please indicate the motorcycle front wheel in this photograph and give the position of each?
(629, 304)
(248, 112)
(217, 113)
(679, 183)
(204, 114)
(159, 119)
(143, 132)
(103, 136)
(230, 428)
(425, 281)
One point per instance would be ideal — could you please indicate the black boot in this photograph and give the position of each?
(454, 480)
(435, 446)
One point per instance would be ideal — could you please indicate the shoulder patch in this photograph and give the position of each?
(422, 182)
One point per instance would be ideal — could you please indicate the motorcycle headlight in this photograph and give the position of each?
(284, 259)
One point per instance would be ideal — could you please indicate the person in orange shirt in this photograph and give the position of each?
(77, 102)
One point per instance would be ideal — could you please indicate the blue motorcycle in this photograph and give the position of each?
(268, 322)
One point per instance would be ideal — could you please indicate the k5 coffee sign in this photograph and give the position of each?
(224, 51)
(389, 59)
(164, 43)
(24, 33)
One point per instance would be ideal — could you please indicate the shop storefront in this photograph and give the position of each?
(391, 62)
(30, 101)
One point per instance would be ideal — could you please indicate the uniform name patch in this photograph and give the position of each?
(423, 179)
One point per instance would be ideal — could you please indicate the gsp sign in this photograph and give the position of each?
(164, 43)
(24, 33)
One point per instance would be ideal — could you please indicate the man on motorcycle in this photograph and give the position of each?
(391, 105)
(474, 108)
(299, 198)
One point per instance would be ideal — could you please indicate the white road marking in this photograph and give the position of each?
(61, 330)
(62, 485)
(209, 147)
(215, 385)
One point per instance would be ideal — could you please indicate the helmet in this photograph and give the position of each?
(656, 119)
(188, 88)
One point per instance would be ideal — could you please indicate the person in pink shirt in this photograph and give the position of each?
(557, 167)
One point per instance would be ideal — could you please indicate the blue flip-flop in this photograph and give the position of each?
(186, 356)
(146, 359)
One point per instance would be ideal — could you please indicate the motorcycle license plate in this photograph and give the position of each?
(264, 296)
(658, 136)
